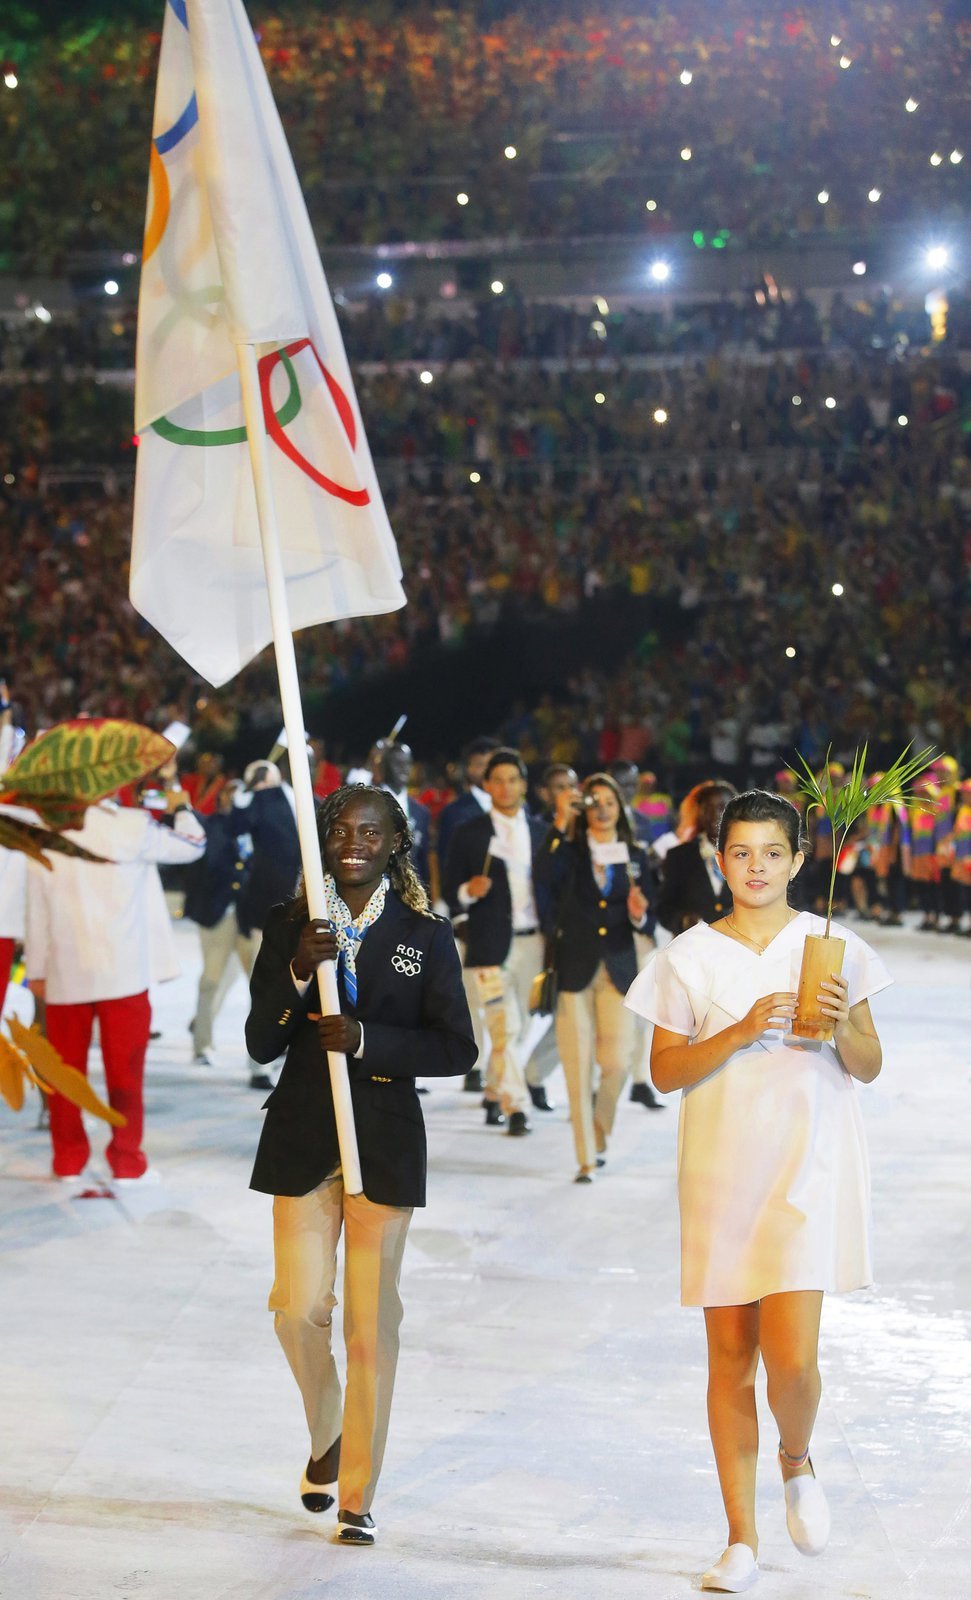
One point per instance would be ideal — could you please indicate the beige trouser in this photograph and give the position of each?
(641, 1049)
(479, 1034)
(306, 1230)
(594, 1025)
(219, 945)
(509, 1024)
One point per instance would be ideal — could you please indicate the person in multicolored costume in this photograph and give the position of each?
(888, 836)
(961, 859)
(925, 864)
(947, 775)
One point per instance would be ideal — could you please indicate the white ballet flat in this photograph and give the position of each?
(734, 1571)
(807, 1514)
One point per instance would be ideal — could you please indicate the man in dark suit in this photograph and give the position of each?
(267, 817)
(391, 766)
(488, 877)
(692, 887)
(627, 778)
(473, 801)
(212, 888)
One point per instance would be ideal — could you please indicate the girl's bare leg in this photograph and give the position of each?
(733, 1357)
(789, 1337)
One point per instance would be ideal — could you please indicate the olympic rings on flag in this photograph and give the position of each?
(161, 204)
(267, 365)
(218, 436)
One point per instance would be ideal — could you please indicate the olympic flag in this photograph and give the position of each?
(229, 264)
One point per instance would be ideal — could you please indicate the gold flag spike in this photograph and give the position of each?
(73, 1085)
(11, 1075)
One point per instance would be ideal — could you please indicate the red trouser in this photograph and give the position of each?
(6, 962)
(124, 1026)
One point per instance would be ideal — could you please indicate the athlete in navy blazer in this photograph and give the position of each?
(489, 926)
(403, 1013)
(415, 1018)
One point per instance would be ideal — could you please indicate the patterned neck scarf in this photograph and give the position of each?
(350, 933)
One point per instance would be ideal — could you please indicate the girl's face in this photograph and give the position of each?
(604, 814)
(358, 845)
(758, 863)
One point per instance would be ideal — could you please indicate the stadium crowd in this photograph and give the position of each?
(99, 336)
(741, 123)
(739, 498)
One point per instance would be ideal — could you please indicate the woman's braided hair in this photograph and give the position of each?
(404, 879)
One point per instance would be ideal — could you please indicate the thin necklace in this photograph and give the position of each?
(761, 948)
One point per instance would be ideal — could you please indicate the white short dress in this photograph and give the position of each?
(773, 1176)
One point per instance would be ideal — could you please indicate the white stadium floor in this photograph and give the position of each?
(548, 1436)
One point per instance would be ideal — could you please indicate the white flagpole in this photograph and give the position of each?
(286, 664)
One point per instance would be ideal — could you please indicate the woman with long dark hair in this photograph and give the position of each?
(597, 874)
(403, 1014)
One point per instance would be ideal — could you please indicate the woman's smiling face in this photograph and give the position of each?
(359, 843)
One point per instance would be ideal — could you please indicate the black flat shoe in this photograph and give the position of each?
(473, 1081)
(643, 1095)
(354, 1529)
(539, 1097)
(493, 1114)
(261, 1080)
(321, 1496)
(518, 1124)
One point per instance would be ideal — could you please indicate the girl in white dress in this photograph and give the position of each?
(773, 1179)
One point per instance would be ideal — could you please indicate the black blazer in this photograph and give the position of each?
(686, 894)
(420, 824)
(465, 808)
(411, 1004)
(274, 866)
(590, 924)
(215, 882)
(488, 930)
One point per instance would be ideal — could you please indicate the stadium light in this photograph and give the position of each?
(911, 104)
(830, 403)
(660, 416)
(936, 159)
(797, 399)
(426, 376)
(835, 40)
(11, 80)
(660, 271)
(823, 197)
(846, 61)
(111, 286)
(859, 268)
(42, 314)
(955, 157)
(599, 398)
(650, 205)
(497, 286)
(873, 196)
(686, 153)
(686, 76)
(790, 651)
(837, 589)
(937, 256)
(475, 477)
(510, 152)
(462, 198)
(384, 280)
(902, 421)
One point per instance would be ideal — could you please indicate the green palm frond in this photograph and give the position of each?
(845, 802)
